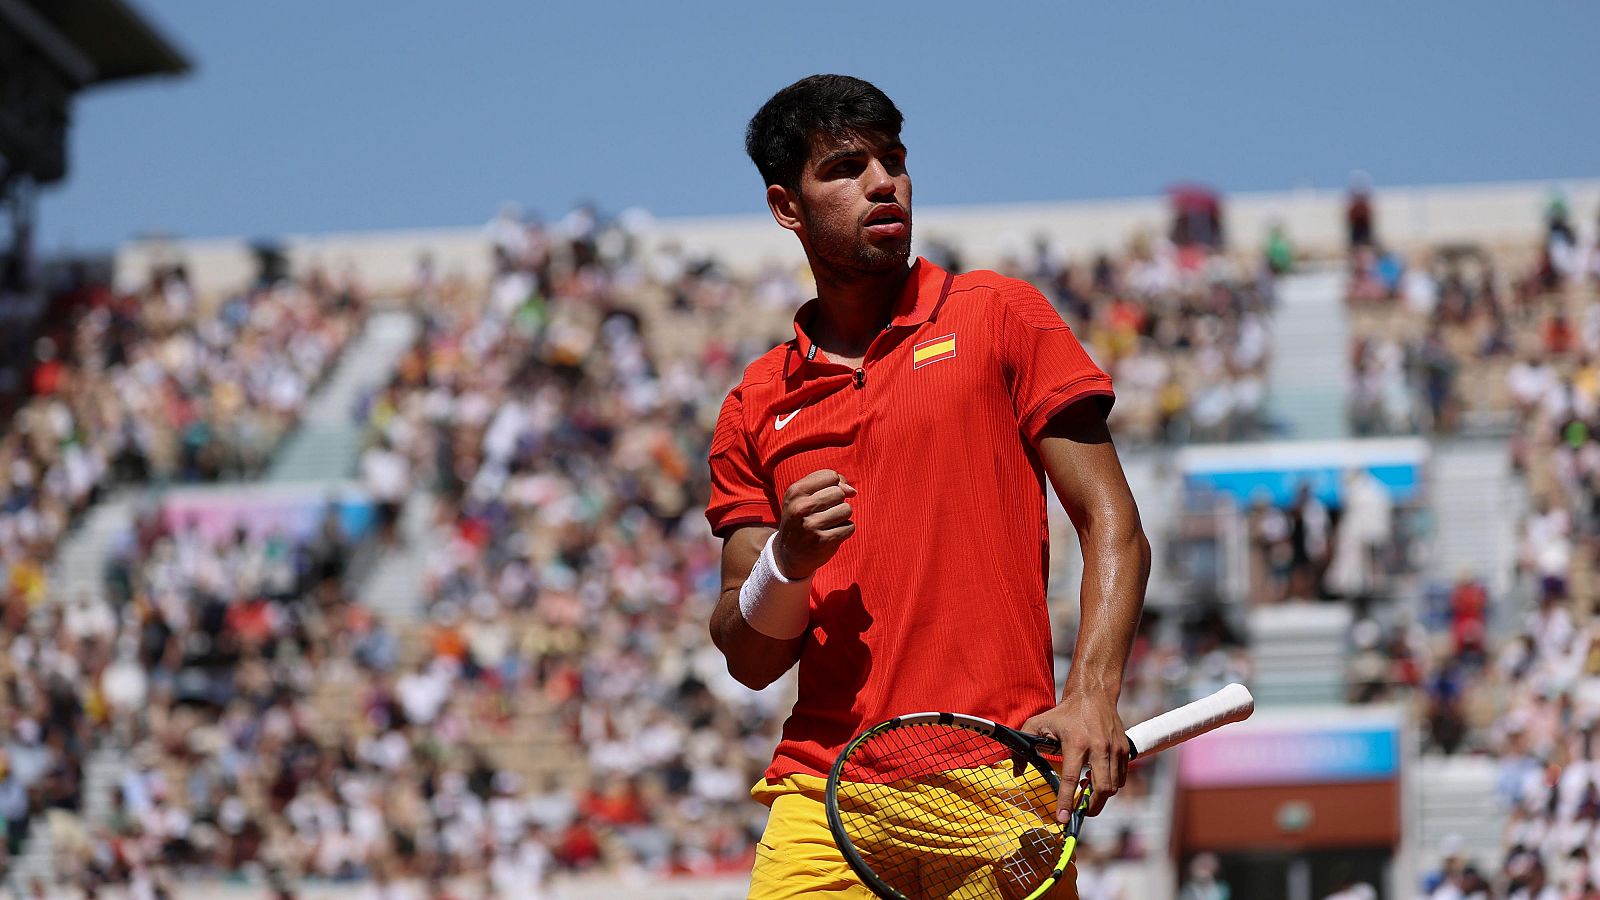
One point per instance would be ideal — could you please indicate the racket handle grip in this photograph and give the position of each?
(1231, 704)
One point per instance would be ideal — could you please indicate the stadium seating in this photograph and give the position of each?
(1509, 682)
(155, 387)
(547, 697)
(518, 681)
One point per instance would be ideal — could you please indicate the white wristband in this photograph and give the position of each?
(776, 606)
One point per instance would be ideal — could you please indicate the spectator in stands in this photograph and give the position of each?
(1561, 262)
(1469, 609)
(1271, 552)
(1309, 525)
(386, 474)
(1097, 878)
(1419, 289)
(1547, 546)
(1359, 215)
(1532, 382)
(1203, 882)
(1364, 532)
(1439, 370)
(1459, 881)
(1279, 251)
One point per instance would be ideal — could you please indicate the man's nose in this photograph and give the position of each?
(879, 182)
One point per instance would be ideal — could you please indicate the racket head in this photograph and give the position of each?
(950, 806)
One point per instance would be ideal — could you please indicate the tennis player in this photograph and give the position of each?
(879, 485)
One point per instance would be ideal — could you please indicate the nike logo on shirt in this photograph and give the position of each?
(784, 420)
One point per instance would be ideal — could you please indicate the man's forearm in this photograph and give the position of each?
(754, 659)
(1116, 569)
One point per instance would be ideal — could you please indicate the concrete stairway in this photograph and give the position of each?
(394, 589)
(102, 772)
(1455, 797)
(80, 564)
(1476, 506)
(1299, 651)
(102, 778)
(37, 859)
(328, 442)
(1310, 351)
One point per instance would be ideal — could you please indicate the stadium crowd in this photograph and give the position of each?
(1447, 339)
(568, 551)
(270, 726)
(556, 420)
(153, 391)
(130, 389)
(147, 390)
(1550, 672)
(1184, 332)
(1514, 678)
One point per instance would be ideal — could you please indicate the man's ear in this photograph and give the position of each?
(785, 206)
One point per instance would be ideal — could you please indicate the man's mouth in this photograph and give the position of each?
(888, 221)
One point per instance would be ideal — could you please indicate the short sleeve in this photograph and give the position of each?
(1046, 368)
(738, 491)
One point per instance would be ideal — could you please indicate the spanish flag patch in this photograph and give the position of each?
(932, 351)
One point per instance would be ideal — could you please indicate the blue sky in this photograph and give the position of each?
(356, 114)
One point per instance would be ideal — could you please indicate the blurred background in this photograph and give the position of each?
(358, 363)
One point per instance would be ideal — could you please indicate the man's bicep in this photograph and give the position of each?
(1077, 452)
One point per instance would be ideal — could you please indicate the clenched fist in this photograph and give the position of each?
(816, 520)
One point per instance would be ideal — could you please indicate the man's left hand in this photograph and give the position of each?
(1090, 733)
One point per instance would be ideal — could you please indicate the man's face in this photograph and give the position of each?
(855, 202)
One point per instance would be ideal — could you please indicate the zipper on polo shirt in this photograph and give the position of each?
(861, 378)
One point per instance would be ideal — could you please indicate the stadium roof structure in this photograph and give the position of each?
(101, 40)
(52, 49)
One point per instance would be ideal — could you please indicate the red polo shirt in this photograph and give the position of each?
(937, 601)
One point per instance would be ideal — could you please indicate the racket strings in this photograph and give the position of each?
(945, 812)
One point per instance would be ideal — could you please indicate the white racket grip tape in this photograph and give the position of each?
(1231, 704)
(776, 606)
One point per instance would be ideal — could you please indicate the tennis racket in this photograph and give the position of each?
(944, 805)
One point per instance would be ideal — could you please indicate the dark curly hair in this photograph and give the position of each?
(778, 138)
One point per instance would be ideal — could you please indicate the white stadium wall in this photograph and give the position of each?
(1508, 214)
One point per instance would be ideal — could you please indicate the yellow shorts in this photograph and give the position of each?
(796, 856)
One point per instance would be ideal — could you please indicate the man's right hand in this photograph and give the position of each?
(816, 520)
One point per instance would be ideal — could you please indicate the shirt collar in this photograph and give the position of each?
(919, 299)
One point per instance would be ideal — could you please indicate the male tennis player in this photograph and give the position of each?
(879, 485)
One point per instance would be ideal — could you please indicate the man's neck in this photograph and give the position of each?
(854, 308)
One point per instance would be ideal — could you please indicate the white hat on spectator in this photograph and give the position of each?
(636, 220)
(1366, 634)
(507, 782)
